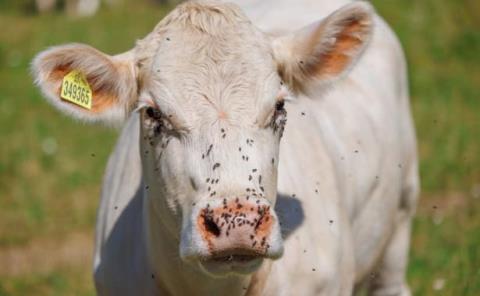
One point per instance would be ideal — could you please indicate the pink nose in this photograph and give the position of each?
(237, 228)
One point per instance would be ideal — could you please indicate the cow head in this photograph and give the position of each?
(210, 89)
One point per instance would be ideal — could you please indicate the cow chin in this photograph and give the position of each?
(238, 262)
(221, 266)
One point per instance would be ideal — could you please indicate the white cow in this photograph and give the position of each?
(201, 197)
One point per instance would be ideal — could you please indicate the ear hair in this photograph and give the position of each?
(325, 50)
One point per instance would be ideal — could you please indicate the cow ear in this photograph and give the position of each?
(111, 80)
(324, 50)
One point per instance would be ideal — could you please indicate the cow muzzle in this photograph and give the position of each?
(238, 234)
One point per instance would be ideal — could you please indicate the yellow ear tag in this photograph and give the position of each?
(75, 89)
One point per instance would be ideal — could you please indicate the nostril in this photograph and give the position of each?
(210, 225)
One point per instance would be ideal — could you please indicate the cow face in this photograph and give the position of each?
(211, 88)
(213, 114)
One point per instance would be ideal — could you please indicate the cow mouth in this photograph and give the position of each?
(235, 255)
(224, 264)
(233, 258)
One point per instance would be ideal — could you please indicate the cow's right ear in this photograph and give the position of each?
(111, 80)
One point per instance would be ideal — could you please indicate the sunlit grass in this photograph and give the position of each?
(61, 282)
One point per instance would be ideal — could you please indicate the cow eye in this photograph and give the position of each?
(157, 121)
(280, 109)
(280, 117)
(153, 113)
(280, 105)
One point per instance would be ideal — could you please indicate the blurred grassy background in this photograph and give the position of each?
(51, 167)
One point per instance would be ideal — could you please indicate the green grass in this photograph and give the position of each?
(61, 282)
(51, 167)
(442, 41)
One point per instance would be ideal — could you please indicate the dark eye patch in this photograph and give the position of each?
(153, 113)
(161, 123)
(279, 117)
(280, 105)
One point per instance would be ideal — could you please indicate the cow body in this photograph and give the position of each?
(347, 187)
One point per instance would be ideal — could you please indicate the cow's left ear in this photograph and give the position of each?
(87, 84)
(324, 50)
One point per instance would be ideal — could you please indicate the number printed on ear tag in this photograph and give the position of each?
(75, 89)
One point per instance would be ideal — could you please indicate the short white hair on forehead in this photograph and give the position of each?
(207, 54)
(213, 18)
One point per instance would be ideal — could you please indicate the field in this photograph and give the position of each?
(51, 167)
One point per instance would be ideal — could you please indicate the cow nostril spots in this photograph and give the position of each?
(211, 226)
